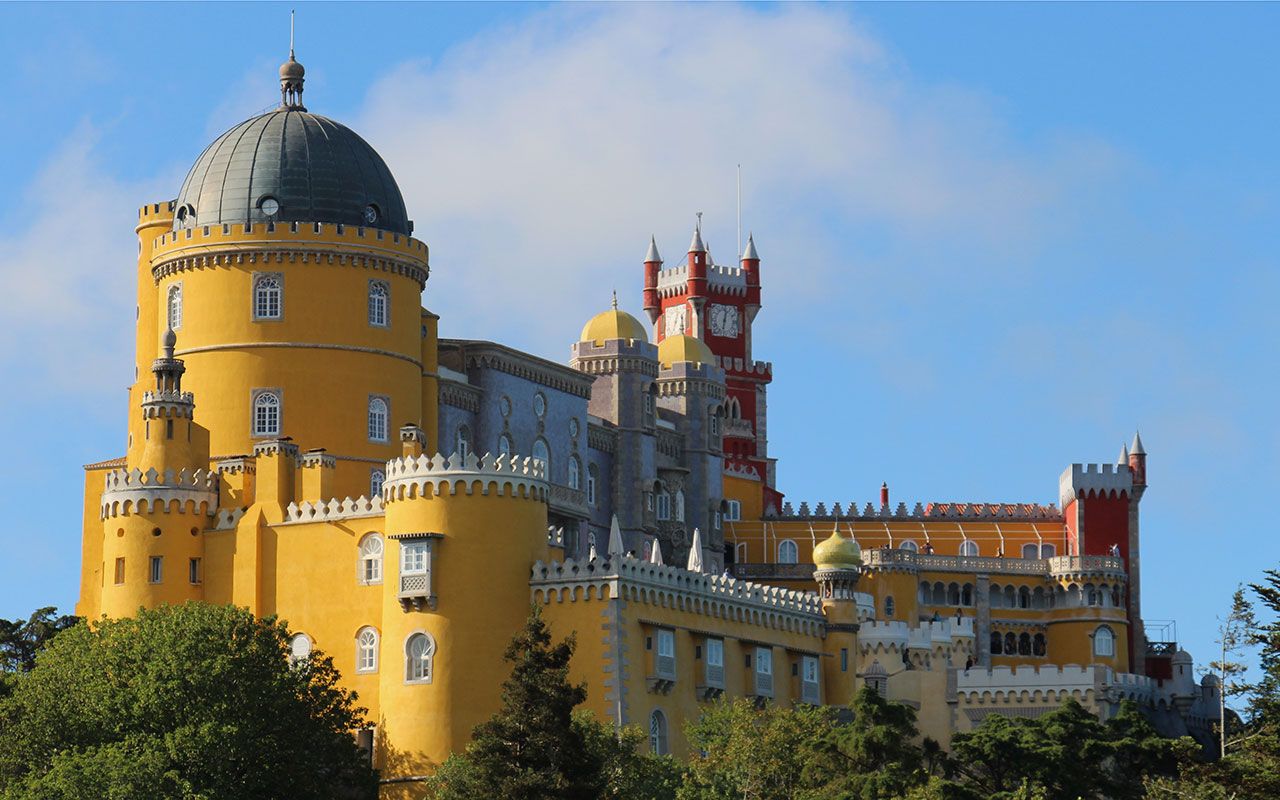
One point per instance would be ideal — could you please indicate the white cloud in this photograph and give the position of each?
(67, 273)
(537, 159)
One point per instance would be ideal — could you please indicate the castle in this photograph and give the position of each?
(302, 443)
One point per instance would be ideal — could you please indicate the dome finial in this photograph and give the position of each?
(615, 299)
(291, 77)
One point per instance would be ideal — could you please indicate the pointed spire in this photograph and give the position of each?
(750, 253)
(652, 254)
(1123, 460)
(696, 246)
(1136, 448)
(695, 552)
(292, 76)
(655, 555)
(615, 299)
(615, 538)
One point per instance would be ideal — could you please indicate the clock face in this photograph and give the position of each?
(270, 206)
(724, 321)
(675, 320)
(370, 214)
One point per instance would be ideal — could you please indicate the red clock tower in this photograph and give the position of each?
(718, 304)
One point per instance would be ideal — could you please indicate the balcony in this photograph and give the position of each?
(415, 592)
(882, 558)
(571, 502)
(773, 572)
(738, 428)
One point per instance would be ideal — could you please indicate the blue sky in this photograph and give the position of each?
(996, 237)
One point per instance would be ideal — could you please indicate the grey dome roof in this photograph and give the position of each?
(315, 169)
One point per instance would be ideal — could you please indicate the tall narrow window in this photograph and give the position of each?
(788, 553)
(575, 473)
(715, 663)
(419, 651)
(658, 733)
(193, 570)
(268, 296)
(376, 478)
(119, 571)
(266, 414)
(1104, 642)
(764, 671)
(379, 292)
(541, 453)
(591, 484)
(175, 306)
(504, 445)
(809, 691)
(367, 650)
(666, 662)
(371, 559)
(156, 572)
(664, 505)
(733, 510)
(462, 443)
(378, 414)
(677, 505)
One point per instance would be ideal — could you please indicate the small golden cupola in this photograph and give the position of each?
(837, 552)
(613, 324)
(681, 348)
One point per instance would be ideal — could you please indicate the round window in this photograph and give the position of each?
(269, 206)
(573, 427)
(539, 405)
(370, 214)
(504, 406)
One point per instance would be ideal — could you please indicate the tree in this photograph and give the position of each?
(1235, 633)
(627, 771)
(191, 701)
(873, 756)
(20, 640)
(530, 749)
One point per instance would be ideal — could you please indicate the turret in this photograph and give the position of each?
(652, 266)
(751, 264)
(1138, 465)
(696, 286)
(171, 439)
(838, 562)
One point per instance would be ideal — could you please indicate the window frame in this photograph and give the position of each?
(195, 570)
(372, 420)
(366, 558)
(377, 479)
(155, 569)
(385, 320)
(658, 740)
(575, 472)
(294, 640)
(261, 297)
(545, 458)
(1096, 636)
(591, 484)
(733, 511)
(172, 319)
(462, 441)
(426, 660)
(366, 651)
(792, 554)
(257, 398)
(968, 544)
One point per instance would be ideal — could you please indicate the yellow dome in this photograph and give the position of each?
(675, 349)
(837, 552)
(613, 324)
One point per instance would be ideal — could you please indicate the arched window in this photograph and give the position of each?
(175, 306)
(1024, 597)
(504, 445)
(926, 594)
(1047, 551)
(953, 594)
(1037, 598)
(888, 607)
(664, 504)
(1115, 596)
(1038, 645)
(1010, 597)
(1104, 642)
(371, 559)
(379, 292)
(378, 414)
(575, 473)
(997, 643)
(1010, 644)
(968, 548)
(909, 546)
(1024, 644)
(592, 474)
(1091, 595)
(266, 414)
(268, 296)
(788, 553)
(966, 595)
(419, 650)
(367, 650)
(996, 595)
(939, 594)
(658, 733)
(677, 505)
(300, 647)
(1031, 551)
(376, 478)
(462, 441)
(541, 453)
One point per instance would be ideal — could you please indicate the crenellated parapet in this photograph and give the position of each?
(501, 475)
(643, 582)
(332, 510)
(128, 492)
(161, 405)
(1094, 480)
(895, 636)
(1048, 686)
(1000, 512)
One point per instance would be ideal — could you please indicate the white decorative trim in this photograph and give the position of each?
(212, 348)
(408, 478)
(332, 509)
(128, 492)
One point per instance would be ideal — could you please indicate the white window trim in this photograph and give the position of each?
(172, 320)
(591, 484)
(155, 569)
(794, 552)
(362, 557)
(430, 658)
(361, 669)
(307, 642)
(253, 413)
(386, 419)
(258, 278)
(733, 510)
(969, 544)
(1111, 636)
(377, 479)
(575, 472)
(386, 304)
(407, 547)
(658, 733)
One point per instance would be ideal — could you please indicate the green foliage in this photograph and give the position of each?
(536, 748)
(21, 640)
(1067, 753)
(191, 701)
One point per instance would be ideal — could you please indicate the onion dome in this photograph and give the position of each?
(837, 552)
(290, 165)
(681, 348)
(613, 324)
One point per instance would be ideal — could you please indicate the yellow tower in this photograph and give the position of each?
(838, 563)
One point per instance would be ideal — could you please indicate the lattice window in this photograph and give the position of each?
(175, 307)
(379, 309)
(378, 414)
(371, 549)
(268, 296)
(658, 732)
(367, 651)
(419, 651)
(266, 414)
